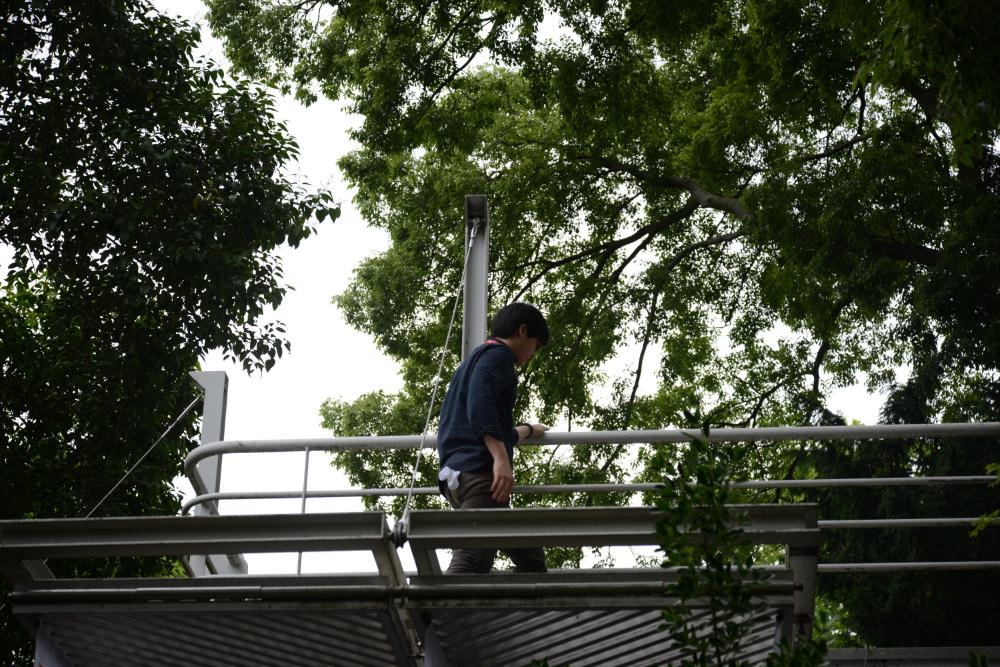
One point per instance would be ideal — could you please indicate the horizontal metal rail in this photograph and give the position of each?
(767, 434)
(931, 522)
(453, 588)
(169, 535)
(940, 566)
(594, 488)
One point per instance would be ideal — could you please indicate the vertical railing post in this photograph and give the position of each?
(477, 216)
(305, 489)
(803, 560)
(213, 429)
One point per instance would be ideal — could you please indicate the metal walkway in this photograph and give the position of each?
(580, 617)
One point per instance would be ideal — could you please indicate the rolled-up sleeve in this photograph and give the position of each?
(487, 382)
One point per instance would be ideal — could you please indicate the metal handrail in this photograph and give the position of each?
(769, 434)
(765, 434)
(594, 488)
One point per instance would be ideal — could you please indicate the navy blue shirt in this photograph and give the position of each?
(480, 401)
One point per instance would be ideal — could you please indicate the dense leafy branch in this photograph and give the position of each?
(702, 196)
(850, 150)
(144, 196)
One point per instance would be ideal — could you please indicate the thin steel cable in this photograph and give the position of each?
(141, 458)
(437, 376)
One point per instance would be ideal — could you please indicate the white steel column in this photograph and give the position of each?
(213, 429)
(476, 298)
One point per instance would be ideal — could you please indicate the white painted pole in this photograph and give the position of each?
(476, 297)
(213, 429)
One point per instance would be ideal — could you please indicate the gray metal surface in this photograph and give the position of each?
(793, 526)
(585, 617)
(609, 588)
(919, 522)
(592, 637)
(942, 566)
(767, 434)
(597, 488)
(213, 429)
(240, 620)
(591, 526)
(236, 638)
(590, 617)
(154, 536)
(952, 656)
(477, 262)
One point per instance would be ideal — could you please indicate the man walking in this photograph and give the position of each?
(476, 435)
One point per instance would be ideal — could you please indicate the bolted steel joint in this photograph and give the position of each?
(399, 534)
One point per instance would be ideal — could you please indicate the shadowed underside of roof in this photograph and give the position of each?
(360, 620)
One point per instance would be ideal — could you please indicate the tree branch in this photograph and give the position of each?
(926, 98)
(812, 157)
(758, 405)
(709, 199)
(447, 39)
(638, 376)
(907, 252)
(548, 265)
(824, 347)
(690, 248)
(861, 112)
(427, 100)
(705, 198)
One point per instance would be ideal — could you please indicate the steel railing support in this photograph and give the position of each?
(642, 487)
(767, 434)
(476, 298)
(209, 470)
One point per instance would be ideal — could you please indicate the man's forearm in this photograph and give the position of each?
(497, 449)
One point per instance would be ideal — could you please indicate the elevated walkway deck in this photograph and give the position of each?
(222, 616)
(578, 617)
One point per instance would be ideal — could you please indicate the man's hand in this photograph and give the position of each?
(536, 429)
(503, 480)
(503, 473)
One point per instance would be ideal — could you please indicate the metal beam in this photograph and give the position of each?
(928, 522)
(146, 536)
(477, 265)
(215, 384)
(266, 590)
(595, 526)
(597, 488)
(771, 434)
(943, 566)
(426, 561)
(209, 472)
(802, 561)
(888, 657)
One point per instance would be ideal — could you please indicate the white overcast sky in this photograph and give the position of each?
(328, 358)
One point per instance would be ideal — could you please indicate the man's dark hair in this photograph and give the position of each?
(513, 315)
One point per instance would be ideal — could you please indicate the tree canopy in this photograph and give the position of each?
(777, 198)
(143, 195)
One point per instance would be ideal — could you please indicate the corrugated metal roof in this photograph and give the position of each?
(581, 618)
(276, 638)
(580, 638)
(577, 617)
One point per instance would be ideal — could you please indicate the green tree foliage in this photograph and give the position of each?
(143, 197)
(717, 568)
(758, 200)
(969, 597)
